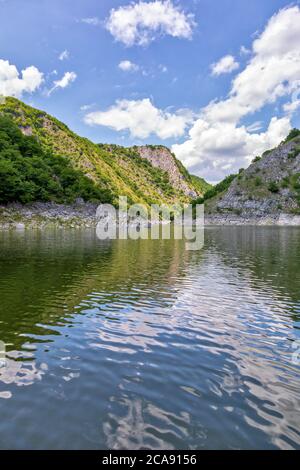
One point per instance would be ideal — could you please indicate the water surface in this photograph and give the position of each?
(144, 345)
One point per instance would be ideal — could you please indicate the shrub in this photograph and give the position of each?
(258, 181)
(238, 211)
(285, 183)
(267, 152)
(294, 153)
(295, 182)
(273, 187)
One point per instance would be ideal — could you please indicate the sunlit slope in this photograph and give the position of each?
(121, 171)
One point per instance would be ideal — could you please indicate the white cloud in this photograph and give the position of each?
(140, 23)
(218, 143)
(142, 119)
(128, 66)
(292, 107)
(294, 104)
(214, 150)
(64, 55)
(244, 51)
(64, 82)
(94, 21)
(11, 84)
(256, 126)
(86, 107)
(225, 65)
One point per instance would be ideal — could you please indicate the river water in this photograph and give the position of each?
(144, 345)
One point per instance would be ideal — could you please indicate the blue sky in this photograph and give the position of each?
(155, 86)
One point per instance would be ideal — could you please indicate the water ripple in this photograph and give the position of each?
(142, 345)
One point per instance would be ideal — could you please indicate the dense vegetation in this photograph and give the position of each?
(117, 170)
(29, 173)
(156, 177)
(215, 190)
(200, 184)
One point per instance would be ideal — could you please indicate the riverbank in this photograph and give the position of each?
(81, 215)
(284, 220)
(44, 214)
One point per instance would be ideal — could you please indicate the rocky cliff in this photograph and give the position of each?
(161, 157)
(269, 188)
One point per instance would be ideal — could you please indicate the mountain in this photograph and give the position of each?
(201, 185)
(270, 186)
(149, 174)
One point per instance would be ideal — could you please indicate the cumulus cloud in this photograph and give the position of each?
(225, 65)
(64, 55)
(214, 150)
(140, 23)
(128, 66)
(12, 83)
(218, 143)
(141, 118)
(64, 82)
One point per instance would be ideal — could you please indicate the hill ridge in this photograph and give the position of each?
(119, 170)
(270, 186)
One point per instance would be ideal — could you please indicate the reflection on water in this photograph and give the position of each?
(142, 344)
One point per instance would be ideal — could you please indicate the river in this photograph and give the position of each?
(143, 345)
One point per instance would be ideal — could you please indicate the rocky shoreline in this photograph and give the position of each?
(282, 220)
(83, 215)
(48, 214)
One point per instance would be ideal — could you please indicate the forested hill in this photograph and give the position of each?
(42, 159)
(30, 173)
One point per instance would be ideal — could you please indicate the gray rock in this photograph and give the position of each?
(161, 157)
(249, 196)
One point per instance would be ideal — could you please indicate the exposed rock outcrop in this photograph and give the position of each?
(161, 157)
(267, 190)
(43, 214)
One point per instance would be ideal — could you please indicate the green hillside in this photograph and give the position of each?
(110, 170)
(200, 184)
(29, 173)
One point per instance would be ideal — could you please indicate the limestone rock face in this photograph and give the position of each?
(270, 186)
(161, 157)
